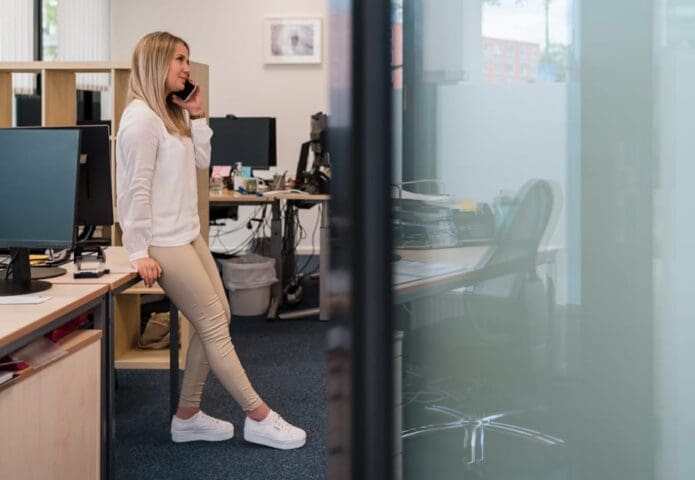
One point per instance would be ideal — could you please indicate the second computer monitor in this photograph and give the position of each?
(94, 198)
(249, 140)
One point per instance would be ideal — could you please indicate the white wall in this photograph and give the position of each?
(227, 35)
(502, 134)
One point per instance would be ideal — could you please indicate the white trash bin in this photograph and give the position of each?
(248, 279)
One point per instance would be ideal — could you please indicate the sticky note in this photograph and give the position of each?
(220, 171)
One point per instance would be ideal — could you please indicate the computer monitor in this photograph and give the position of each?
(316, 179)
(249, 140)
(302, 162)
(38, 191)
(85, 123)
(94, 197)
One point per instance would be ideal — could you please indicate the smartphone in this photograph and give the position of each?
(187, 91)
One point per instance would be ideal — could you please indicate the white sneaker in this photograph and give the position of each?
(274, 431)
(200, 427)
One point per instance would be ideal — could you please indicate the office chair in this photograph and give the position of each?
(506, 318)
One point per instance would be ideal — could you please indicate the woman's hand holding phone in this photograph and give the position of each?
(192, 101)
(187, 91)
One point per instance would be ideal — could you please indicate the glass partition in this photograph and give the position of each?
(543, 309)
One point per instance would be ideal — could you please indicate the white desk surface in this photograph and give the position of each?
(19, 320)
(457, 264)
(461, 262)
(460, 256)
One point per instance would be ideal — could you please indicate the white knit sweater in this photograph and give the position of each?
(156, 180)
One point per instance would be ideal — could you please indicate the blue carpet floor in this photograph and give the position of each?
(285, 361)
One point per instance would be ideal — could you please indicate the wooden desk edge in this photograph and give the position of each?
(113, 281)
(458, 277)
(126, 278)
(40, 322)
(234, 197)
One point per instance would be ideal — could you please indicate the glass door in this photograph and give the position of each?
(487, 241)
(529, 311)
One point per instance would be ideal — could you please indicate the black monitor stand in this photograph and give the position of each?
(40, 273)
(18, 280)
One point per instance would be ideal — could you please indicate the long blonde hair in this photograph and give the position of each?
(151, 59)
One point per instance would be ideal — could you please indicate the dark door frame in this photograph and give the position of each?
(360, 347)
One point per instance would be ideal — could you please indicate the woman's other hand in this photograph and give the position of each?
(148, 269)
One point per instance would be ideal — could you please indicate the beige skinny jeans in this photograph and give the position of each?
(191, 280)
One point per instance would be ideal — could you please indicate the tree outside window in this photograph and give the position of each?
(49, 29)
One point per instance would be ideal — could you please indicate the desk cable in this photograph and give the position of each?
(262, 224)
(313, 242)
(8, 267)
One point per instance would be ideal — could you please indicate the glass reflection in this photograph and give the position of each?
(542, 238)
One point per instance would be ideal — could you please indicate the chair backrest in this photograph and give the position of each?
(515, 249)
(511, 304)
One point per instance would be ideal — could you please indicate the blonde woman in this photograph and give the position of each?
(161, 142)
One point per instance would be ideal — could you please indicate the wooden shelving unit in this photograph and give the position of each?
(59, 108)
(127, 353)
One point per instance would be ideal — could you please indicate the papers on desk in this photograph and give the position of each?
(270, 193)
(397, 193)
(23, 299)
(408, 271)
(5, 376)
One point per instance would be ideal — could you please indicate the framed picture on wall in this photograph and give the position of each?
(292, 40)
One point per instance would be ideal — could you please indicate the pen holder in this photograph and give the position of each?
(216, 184)
(278, 182)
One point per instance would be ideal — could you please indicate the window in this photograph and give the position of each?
(49, 29)
(16, 40)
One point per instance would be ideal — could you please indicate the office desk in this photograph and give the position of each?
(53, 412)
(126, 289)
(120, 277)
(461, 267)
(21, 324)
(234, 198)
(462, 262)
(227, 197)
(324, 252)
(121, 274)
